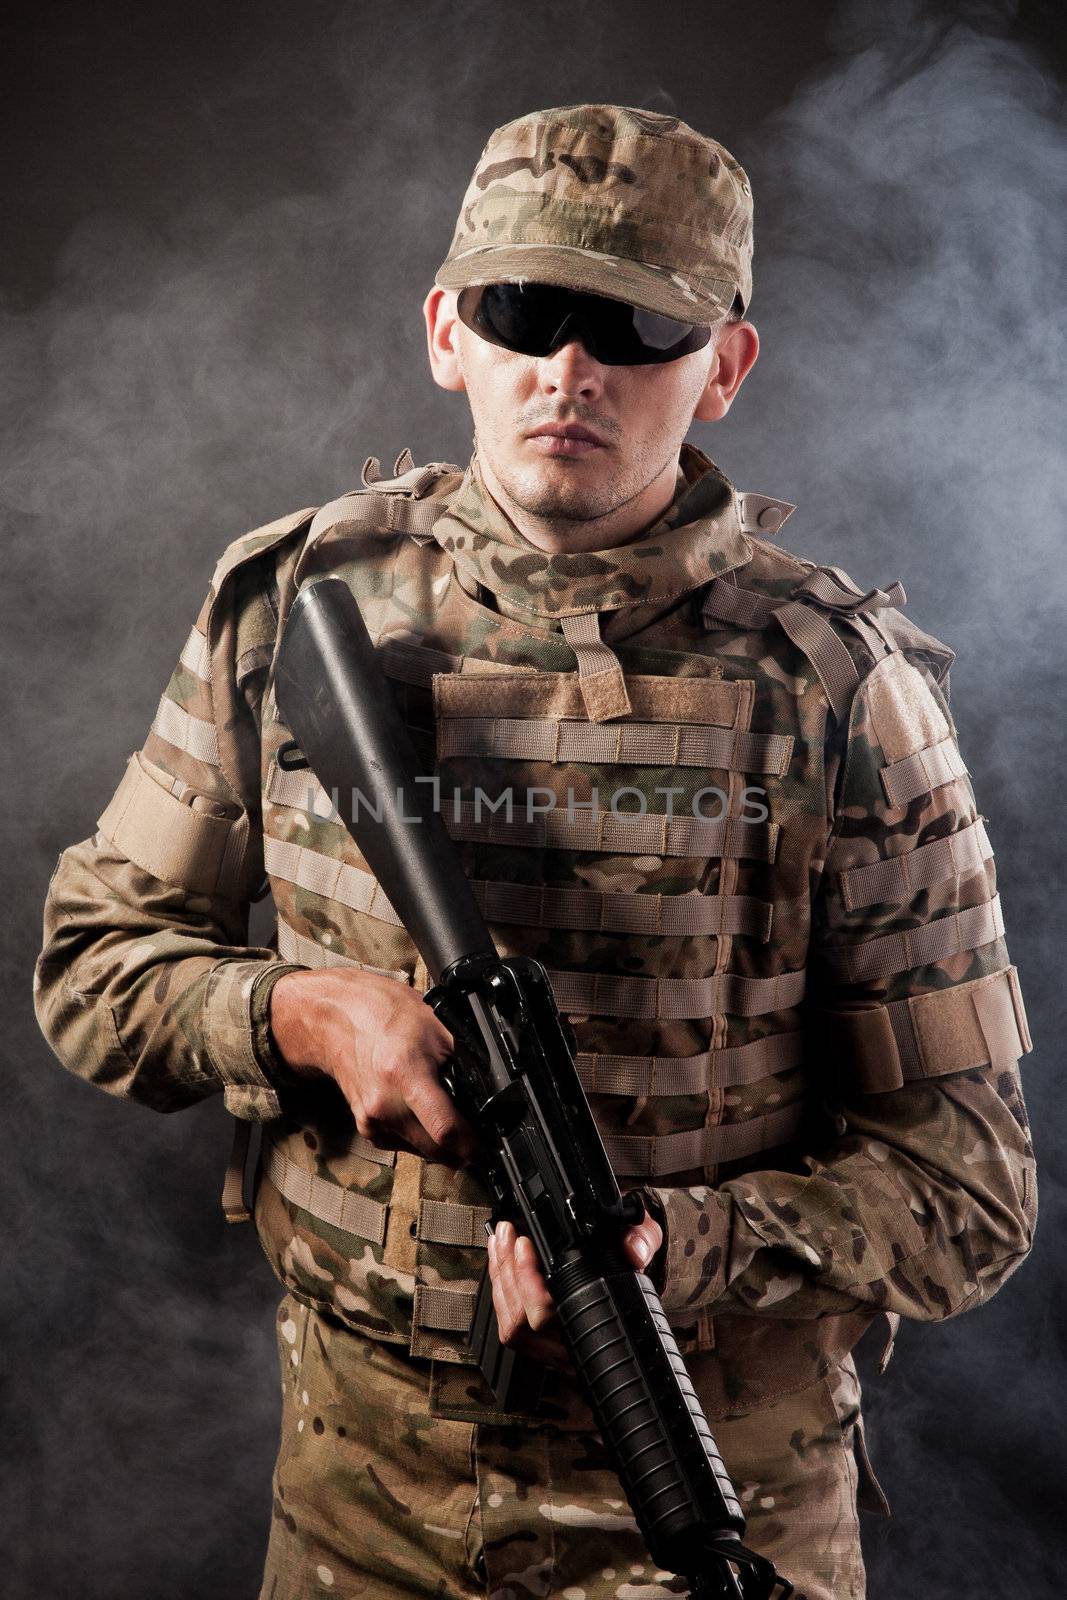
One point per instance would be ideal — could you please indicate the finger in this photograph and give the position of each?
(442, 1040)
(641, 1242)
(410, 1135)
(449, 1134)
(538, 1304)
(507, 1301)
(404, 1131)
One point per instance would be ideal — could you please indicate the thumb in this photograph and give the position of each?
(638, 1246)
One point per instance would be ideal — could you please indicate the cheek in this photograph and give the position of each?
(658, 402)
(497, 383)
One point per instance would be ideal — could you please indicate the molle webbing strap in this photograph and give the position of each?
(619, 834)
(600, 676)
(191, 734)
(192, 842)
(890, 953)
(672, 915)
(829, 586)
(927, 769)
(976, 1024)
(809, 630)
(741, 608)
(651, 834)
(408, 661)
(297, 947)
(358, 1146)
(299, 788)
(329, 1202)
(439, 1221)
(624, 743)
(234, 1206)
(405, 662)
(815, 638)
(394, 506)
(703, 701)
(761, 513)
(587, 830)
(667, 1153)
(805, 625)
(443, 1222)
(324, 875)
(727, 1068)
(898, 878)
(834, 589)
(195, 656)
(372, 467)
(443, 1310)
(608, 994)
(533, 905)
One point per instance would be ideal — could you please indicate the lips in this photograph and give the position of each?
(563, 439)
(567, 430)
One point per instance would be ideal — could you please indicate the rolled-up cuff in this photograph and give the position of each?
(691, 1267)
(271, 1062)
(236, 1032)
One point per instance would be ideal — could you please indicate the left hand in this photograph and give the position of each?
(525, 1311)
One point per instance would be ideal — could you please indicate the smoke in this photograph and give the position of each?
(910, 288)
(189, 369)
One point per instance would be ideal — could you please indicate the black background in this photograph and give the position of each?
(218, 229)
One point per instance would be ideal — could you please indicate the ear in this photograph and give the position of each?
(439, 310)
(737, 347)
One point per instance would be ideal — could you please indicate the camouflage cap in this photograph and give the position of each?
(626, 203)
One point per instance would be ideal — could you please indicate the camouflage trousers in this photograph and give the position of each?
(376, 1497)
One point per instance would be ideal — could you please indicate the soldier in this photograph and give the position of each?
(714, 787)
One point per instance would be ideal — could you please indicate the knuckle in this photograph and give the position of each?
(393, 1064)
(443, 1131)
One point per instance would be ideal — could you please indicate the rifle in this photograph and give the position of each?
(513, 1077)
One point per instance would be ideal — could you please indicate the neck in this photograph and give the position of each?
(621, 525)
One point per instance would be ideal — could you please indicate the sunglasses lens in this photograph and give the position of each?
(522, 317)
(534, 319)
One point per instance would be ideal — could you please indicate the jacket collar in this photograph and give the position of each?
(698, 538)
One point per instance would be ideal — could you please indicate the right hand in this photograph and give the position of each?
(383, 1046)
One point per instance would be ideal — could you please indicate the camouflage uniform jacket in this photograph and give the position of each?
(810, 962)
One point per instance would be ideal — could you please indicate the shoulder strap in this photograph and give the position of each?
(811, 615)
(246, 548)
(407, 503)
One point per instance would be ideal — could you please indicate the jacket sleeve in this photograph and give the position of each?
(146, 984)
(923, 1199)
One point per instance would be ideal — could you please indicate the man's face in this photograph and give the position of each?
(569, 438)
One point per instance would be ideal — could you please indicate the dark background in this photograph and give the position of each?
(219, 226)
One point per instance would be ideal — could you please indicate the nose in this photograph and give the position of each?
(570, 372)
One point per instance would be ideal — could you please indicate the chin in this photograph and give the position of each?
(555, 493)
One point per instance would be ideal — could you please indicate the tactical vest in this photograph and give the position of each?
(649, 820)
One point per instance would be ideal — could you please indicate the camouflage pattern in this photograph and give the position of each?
(621, 202)
(374, 1495)
(918, 1201)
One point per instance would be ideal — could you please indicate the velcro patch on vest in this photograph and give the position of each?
(707, 702)
(904, 715)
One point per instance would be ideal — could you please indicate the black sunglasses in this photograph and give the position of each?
(534, 319)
